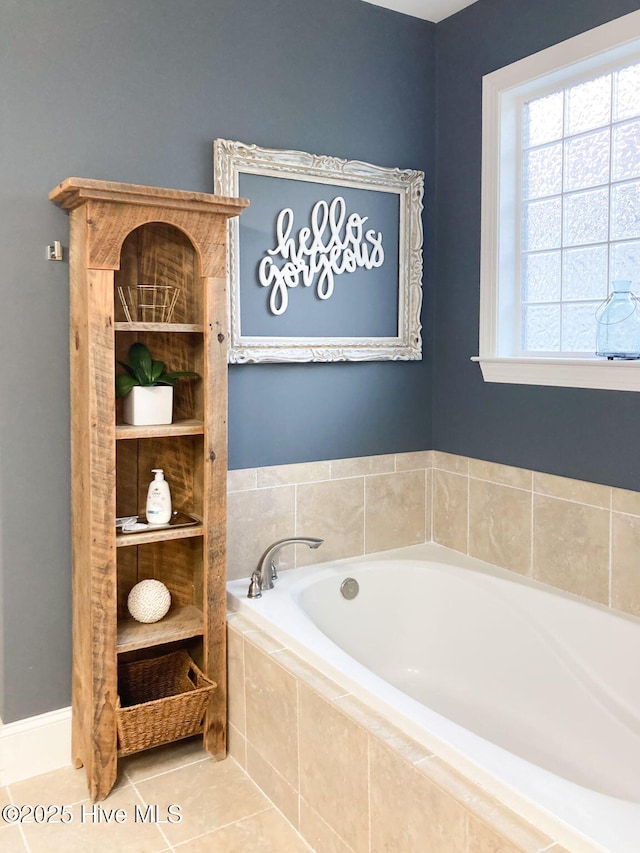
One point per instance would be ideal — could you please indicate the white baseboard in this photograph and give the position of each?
(35, 745)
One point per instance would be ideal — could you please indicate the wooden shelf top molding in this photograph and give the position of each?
(185, 427)
(73, 192)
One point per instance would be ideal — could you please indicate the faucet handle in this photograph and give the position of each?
(255, 590)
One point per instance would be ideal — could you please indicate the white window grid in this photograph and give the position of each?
(562, 248)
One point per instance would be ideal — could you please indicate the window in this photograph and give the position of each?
(560, 207)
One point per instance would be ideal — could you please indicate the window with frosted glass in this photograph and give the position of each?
(580, 226)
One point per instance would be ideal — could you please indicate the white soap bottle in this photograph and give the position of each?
(158, 499)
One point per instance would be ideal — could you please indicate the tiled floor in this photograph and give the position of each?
(220, 809)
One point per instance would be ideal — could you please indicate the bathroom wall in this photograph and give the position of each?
(589, 435)
(357, 506)
(574, 535)
(137, 90)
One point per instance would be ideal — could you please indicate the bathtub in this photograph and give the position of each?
(531, 693)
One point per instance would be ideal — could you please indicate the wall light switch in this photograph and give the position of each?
(54, 251)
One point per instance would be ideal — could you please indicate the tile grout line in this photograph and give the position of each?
(532, 532)
(364, 514)
(20, 827)
(610, 591)
(177, 847)
(144, 803)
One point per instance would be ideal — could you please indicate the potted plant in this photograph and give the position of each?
(147, 388)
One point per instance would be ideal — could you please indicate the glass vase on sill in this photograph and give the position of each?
(618, 319)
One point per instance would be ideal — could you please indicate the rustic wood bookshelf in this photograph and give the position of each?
(121, 235)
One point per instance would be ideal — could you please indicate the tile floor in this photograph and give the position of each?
(221, 809)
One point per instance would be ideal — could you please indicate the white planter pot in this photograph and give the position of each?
(145, 406)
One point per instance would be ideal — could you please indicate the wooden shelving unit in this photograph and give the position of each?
(121, 235)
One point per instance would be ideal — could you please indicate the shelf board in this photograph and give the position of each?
(178, 624)
(185, 427)
(145, 536)
(158, 327)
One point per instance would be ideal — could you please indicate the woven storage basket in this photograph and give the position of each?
(160, 700)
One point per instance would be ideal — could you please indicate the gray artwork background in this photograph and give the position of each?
(364, 303)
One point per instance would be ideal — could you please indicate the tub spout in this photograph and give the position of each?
(266, 573)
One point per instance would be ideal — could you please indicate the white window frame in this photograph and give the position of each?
(503, 93)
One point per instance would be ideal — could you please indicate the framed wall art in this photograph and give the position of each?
(326, 262)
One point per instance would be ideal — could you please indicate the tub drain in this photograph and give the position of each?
(349, 588)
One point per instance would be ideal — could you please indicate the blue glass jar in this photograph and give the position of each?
(618, 320)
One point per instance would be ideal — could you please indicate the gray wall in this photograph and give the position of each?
(590, 435)
(136, 90)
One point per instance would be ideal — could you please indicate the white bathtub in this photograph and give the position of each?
(530, 692)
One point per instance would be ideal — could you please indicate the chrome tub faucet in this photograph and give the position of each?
(267, 572)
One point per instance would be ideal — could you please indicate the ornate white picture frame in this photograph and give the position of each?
(402, 279)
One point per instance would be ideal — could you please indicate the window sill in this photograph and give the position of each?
(563, 372)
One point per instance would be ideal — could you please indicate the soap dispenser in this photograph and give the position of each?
(158, 499)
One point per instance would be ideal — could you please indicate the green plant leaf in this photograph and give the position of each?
(124, 384)
(128, 368)
(157, 368)
(143, 370)
(172, 377)
(142, 363)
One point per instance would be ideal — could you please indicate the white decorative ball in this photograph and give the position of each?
(149, 601)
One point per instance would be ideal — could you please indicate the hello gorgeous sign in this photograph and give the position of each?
(332, 244)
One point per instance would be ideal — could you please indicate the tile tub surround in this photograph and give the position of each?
(348, 780)
(577, 536)
(358, 506)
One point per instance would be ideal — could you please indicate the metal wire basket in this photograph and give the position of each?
(148, 303)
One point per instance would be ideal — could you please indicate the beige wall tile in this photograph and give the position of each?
(624, 500)
(359, 466)
(450, 462)
(242, 479)
(572, 490)
(625, 577)
(571, 547)
(272, 707)
(333, 511)
(281, 793)
(237, 746)
(235, 680)
(256, 519)
(449, 510)
(318, 832)
(309, 675)
(414, 460)
(284, 475)
(520, 478)
(483, 839)
(382, 729)
(395, 510)
(333, 768)
(500, 525)
(486, 811)
(408, 812)
(429, 504)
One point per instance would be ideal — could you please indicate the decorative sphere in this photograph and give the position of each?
(149, 601)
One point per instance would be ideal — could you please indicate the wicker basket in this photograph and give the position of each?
(160, 700)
